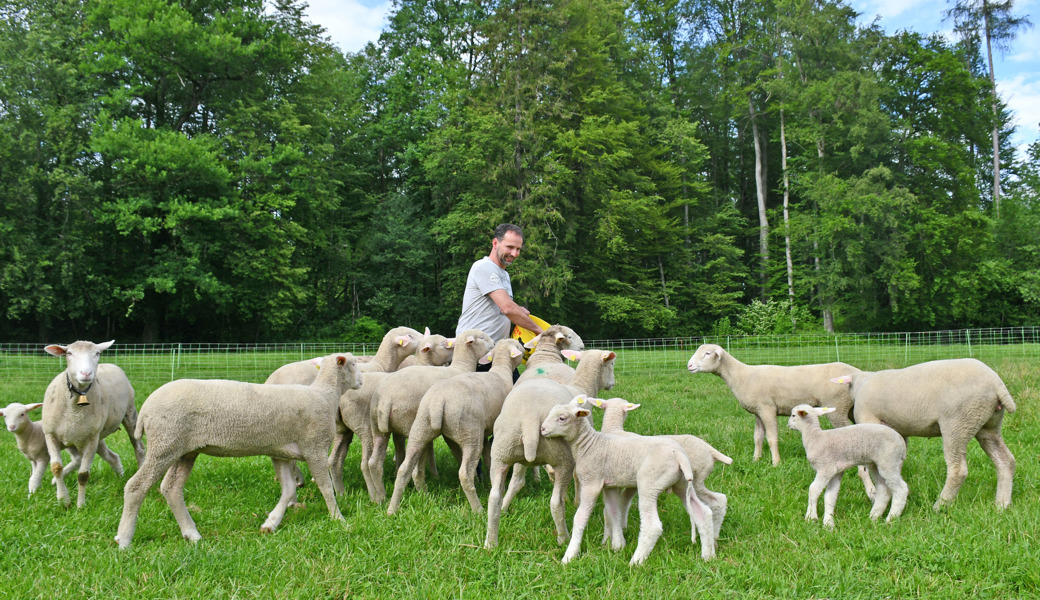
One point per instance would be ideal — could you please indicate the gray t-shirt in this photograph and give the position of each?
(478, 310)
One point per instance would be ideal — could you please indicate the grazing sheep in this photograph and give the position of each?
(396, 400)
(650, 464)
(435, 350)
(397, 344)
(547, 359)
(767, 391)
(830, 452)
(463, 409)
(702, 457)
(83, 405)
(518, 441)
(955, 399)
(188, 417)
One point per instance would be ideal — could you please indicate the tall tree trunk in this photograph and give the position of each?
(787, 216)
(761, 191)
(996, 115)
(664, 288)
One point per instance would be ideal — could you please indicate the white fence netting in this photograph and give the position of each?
(151, 365)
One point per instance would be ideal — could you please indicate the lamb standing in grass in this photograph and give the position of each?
(463, 409)
(188, 417)
(702, 457)
(832, 451)
(396, 400)
(650, 464)
(767, 391)
(955, 399)
(397, 344)
(29, 437)
(83, 405)
(547, 360)
(518, 441)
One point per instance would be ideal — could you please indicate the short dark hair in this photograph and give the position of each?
(500, 231)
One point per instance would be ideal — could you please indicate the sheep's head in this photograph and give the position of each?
(706, 359)
(16, 415)
(81, 359)
(803, 415)
(560, 422)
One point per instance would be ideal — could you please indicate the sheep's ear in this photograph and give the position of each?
(827, 409)
(513, 353)
(800, 412)
(55, 350)
(105, 346)
(403, 340)
(842, 379)
(449, 343)
(559, 338)
(582, 399)
(582, 412)
(426, 333)
(571, 355)
(489, 357)
(34, 406)
(609, 356)
(531, 343)
(316, 362)
(596, 402)
(630, 406)
(341, 360)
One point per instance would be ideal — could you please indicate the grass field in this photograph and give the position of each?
(433, 546)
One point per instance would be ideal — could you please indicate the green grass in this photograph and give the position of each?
(433, 546)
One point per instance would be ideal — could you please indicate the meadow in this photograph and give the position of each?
(433, 547)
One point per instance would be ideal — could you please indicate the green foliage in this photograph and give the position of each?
(768, 318)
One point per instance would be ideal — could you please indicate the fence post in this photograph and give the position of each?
(968, 334)
(837, 349)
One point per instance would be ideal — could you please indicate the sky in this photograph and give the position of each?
(353, 23)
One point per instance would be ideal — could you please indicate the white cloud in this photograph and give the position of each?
(350, 24)
(1022, 93)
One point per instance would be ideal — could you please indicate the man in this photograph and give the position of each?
(487, 303)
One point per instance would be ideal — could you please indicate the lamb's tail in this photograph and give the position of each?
(383, 412)
(684, 466)
(435, 408)
(530, 435)
(1004, 399)
(722, 458)
(139, 428)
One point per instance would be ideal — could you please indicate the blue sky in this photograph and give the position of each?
(353, 23)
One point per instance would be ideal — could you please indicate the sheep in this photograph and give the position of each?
(547, 359)
(830, 452)
(650, 464)
(396, 399)
(435, 350)
(29, 437)
(397, 344)
(955, 399)
(702, 457)
(188, 417)
(463, 409)
(517, 440)
(83, 405)
(767, 391)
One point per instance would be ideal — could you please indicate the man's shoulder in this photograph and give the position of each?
(486, 273)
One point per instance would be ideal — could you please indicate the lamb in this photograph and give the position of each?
(395, 400)
(188, 417)
(767, 391)
(702, 457)
(463, 409)
(397, 344)
(650, 464)
(518, 441)
(435, 350)
(547, 359)
(832, 451)
(956, 399)
(29, 437)
(83, 405)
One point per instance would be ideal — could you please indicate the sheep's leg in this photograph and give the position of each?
(172, 488)
(895, 483)
(413, 456)
(955, 450)
(366, 469)
(558, 500)
(130, 425)
(613, 531)
(868, 485)
(431, 461)
(626, 505)
(375, 466)
(340, 447)
(716, 502)
(701, 518)
(772, 435)
(400, 447)
(516, 483)
(760, 434)
(498, 473)
(54, 450)
(815, 489)
(73, 463)
(39, 466)
(317, 462)
(881, 495)
(156, 464)
(993, 445)
(589, 493)
(87, 454)
(283, 470)
(110, 457)
(650, 527)
(830, 500)
(471, 453)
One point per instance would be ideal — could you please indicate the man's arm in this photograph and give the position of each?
(516, 313)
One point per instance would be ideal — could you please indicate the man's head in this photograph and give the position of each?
(506, 245)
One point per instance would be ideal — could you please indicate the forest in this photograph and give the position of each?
(217, 170)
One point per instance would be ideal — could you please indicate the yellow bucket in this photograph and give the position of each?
(526, 335)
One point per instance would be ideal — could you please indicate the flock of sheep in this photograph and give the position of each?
(424, 386)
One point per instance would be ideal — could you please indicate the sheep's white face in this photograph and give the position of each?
(572, 341)
(804, 414)
(560, 420)
(16, 415)
(81, 359)
(706, 359)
